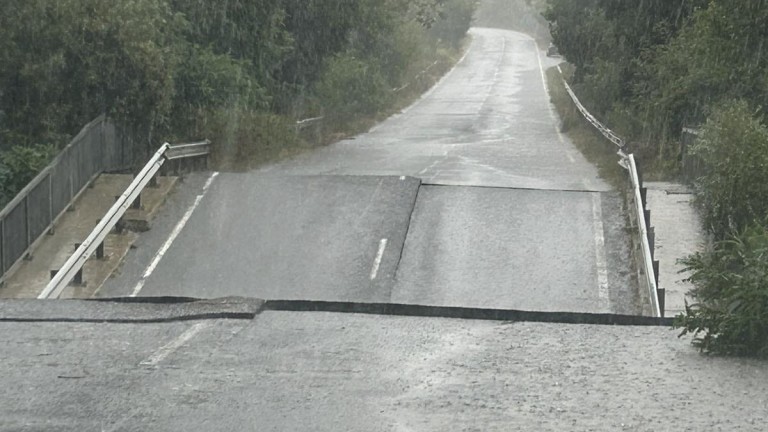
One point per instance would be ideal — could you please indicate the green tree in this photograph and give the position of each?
(733, 192)
(612, 43)
(715, 59)
(249, 31)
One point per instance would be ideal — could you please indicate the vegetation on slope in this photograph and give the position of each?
(239, 72)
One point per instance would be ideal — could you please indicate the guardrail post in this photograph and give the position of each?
(647, 216)
(28, 227)
(2, 246)
(51, 228)
(100, 251)
(136, 204)
(71, 206)
(656, 271)
(78, 279)
(662, 296)
(652, 240)
(119, 226)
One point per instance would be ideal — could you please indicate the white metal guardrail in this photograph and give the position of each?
(301, 124)
(612, 137)
(180, 151)
(628, 162)
(76, 262)
(647, 252)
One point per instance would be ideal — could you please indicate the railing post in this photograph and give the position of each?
(27, 227)
(100, 250)
(2, 247)
(662, 297)
(71, 206)
(50, 203)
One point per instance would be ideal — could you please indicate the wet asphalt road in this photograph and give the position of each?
(288, 371)
(487, 123)
(470, 197)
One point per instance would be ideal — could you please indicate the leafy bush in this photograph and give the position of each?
(350, 86)
(730, 313)
(733, 145)
(247, 138)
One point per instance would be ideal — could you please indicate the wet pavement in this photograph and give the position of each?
(489, 122)
(481, 202)
(330, 372)
(512, 248)
(470, 197)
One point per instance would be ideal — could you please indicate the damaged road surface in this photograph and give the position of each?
(468, 231)
(277, 370)
(470, 197)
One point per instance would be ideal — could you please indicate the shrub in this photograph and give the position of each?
(733, 192)
(243, 138)
(19, 165)
(350, 86)
(730, 313)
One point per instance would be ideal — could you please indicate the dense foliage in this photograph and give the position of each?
(186, 68)
(733, 189)
(19, 165)
(730, 313)
(652, 67)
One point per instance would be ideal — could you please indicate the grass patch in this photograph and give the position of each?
(595, 147)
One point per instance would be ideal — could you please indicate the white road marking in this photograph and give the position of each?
(541, 68)
(402, 177)
(175, 233)
(175, 344)
(379, 256)
(600, 257)
(552, 114)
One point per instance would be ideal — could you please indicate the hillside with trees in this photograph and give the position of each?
(653, 67)
(239, 73)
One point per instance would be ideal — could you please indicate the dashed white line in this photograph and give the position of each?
(379, 256)
(600, 256)
(175, 344)
(175, 233)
